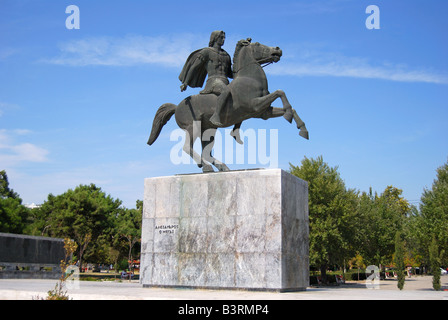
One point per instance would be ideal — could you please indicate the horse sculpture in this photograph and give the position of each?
(250, 98)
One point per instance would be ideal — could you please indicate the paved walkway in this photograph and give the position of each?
(416, 288)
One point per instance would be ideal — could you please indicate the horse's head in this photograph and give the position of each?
(255, 51)
(265, 54)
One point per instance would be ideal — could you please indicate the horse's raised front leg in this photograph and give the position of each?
(273, 112)
(261, 103)
(287, 112)
(300, 125)
(286, 106)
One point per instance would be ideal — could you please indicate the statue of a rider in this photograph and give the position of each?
(217, 64)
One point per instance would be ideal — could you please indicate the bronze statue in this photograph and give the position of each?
(222, 104)
(214, 62)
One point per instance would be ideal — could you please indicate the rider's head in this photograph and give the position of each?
(216, 37)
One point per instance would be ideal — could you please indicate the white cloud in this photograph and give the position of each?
(13, 153)
(335, 65)
(171, 51)
(127, 51)
(29, 152)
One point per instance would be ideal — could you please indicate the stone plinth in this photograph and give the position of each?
(230, 230)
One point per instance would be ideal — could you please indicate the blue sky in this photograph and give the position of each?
(76, 106)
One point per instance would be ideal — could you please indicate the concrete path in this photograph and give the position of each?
(416, 288)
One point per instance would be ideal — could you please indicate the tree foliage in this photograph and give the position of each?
(104, 230)
(331, 211)
(434, 259)
(381, 217)
(5, 191)
(432, 222)
(128, 229)
(13, 214)
(345, 223)
(399, 260)
(84, 214)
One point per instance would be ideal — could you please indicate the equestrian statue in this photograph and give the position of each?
(222, 103)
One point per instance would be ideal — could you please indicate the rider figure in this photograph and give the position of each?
(215, 62)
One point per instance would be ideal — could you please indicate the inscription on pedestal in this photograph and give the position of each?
(166, 229)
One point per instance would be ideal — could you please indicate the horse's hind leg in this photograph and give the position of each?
(188, 147)
(208, 140)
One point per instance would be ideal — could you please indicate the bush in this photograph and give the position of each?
(122, 265)
(435, 264)
(354, 276)
(331, 278)
(313, 280)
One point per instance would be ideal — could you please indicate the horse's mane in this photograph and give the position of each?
(240, 44)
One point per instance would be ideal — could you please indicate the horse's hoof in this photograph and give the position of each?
(288, 115)
(236, 135)
(223, 168)
(207, 168)
(304, 133)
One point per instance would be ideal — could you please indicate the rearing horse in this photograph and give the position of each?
(250, 98)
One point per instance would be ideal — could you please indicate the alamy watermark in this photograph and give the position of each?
(373, 20)
(72, 274)
(260, 146)
(73, 20)
(372, 277)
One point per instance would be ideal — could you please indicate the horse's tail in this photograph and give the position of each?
(164, 114)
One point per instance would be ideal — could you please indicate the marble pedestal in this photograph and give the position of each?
(229, 230)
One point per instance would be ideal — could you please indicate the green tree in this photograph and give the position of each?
(37, 223)
(13, 215)
(5, 191)
(393, 200)
(368, 232)
(433, 219)
(399, 260)
(331, 213)
(358, 262)
(85, 215)
(379, 218)
(434, 259)
(128, 226)
(411, 229)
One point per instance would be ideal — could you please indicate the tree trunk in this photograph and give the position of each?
(323, 273)
(130, 262)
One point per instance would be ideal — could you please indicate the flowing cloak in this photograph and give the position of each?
(198, 74)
